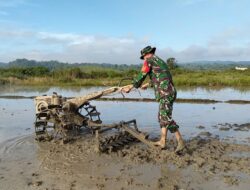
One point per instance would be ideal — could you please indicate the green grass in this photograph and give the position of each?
(230, 78)
(98, 76)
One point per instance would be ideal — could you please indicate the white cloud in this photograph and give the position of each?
(11, 34)
(209, 53)
(220, 53)
(70, 47)
(64, 38)
(231, 44)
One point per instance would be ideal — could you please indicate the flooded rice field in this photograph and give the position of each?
(219, 119)
(217, 135)
(219, 94)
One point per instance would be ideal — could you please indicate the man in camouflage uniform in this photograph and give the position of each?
(165, 93)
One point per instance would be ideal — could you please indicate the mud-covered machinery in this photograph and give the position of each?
(58, 117)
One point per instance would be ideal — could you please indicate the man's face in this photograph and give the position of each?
(148, 55)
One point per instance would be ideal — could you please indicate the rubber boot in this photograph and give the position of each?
(180, 146)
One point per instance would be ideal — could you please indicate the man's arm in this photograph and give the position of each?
(137, 82)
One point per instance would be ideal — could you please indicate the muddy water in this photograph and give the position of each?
(16, 118)
(17, 115)
(220, 94)
(209, 162)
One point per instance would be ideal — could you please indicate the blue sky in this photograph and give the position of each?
(115, 31)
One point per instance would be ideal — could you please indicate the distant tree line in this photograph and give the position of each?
(24, 68)
(53, 65)
(57, 73)
(172, 63)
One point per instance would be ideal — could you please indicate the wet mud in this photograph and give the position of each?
(206, 163)
(234, 127)
(209, 162)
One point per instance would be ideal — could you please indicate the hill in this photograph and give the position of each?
(54, 65)
(214, 65)
(3, 64)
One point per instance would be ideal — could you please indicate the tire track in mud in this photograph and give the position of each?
(11, 145)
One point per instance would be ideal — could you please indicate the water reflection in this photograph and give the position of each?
(17, 117)
(221, 94)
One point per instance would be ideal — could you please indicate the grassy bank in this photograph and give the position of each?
(227, 78)
(49, 81)
(97, 76)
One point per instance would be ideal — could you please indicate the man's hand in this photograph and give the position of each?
(127, 88)
(145, 86)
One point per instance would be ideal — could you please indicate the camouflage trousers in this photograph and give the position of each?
(165, 113)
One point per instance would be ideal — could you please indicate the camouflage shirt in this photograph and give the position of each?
(160, 76)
